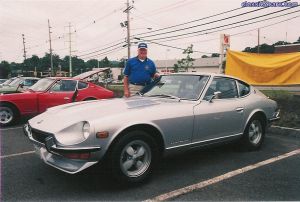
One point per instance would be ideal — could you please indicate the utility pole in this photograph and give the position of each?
(127, 10)
(70, 51)
(51, 57)
(24, 47)
(24, 50)
(258, 37)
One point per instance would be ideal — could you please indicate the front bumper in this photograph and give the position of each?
(275, 117)
(51, 153)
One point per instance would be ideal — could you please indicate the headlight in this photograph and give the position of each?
(86, 130)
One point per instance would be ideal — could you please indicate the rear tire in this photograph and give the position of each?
(254, 134)
(133, 157)
(8, 114)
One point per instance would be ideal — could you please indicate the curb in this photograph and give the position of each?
(293, 132)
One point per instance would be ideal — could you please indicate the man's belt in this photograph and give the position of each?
(139, 84)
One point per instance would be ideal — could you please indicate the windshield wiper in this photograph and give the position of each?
(167, 96)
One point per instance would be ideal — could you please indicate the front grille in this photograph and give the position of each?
(39, 136)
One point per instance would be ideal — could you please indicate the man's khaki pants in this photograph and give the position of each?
(133, 89)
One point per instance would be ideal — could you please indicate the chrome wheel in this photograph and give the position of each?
(255, 132)
(6, 115)
(135, 158)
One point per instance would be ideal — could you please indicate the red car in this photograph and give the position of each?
(48, 92)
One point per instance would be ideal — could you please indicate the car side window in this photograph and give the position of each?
(82, 85)
(64, 86)
(226, 86)
(29, 82)
(243, 88)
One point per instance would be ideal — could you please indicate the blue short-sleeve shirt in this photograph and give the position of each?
(139, 72)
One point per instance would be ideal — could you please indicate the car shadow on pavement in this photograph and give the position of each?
(99, 178)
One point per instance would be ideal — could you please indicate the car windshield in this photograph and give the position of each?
(16, 82)
(178, 86)
(42, 84)
(8, 81)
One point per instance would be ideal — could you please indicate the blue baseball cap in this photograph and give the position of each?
(142, 45)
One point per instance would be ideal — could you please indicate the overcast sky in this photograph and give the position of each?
(97, 23)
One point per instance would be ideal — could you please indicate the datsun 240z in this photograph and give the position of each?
(180, 111)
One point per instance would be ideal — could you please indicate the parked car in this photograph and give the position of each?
(18, 85)
(182, 111)
(8, 81)
(2, 80)
(47, 92)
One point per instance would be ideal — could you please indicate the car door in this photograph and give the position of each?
(60, 93)
(222, 116)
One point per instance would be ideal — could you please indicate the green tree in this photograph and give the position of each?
(298, 41)
(91, 63)
(263, 48)
(187, 62)
(215, 55)
(105, 62)
(78, 65)
(4, 69)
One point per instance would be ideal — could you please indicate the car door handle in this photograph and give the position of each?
(66, 98)
(239, 109)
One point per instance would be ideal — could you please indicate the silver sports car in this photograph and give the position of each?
(179, 111)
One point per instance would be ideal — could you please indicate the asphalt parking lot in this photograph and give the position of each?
(25, 177)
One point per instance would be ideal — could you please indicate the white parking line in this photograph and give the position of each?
(220, 178)
(18, 154)
(295, 129)
(12, 128)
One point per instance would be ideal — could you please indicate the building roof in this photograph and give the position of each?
(199, 62)
(288, 48)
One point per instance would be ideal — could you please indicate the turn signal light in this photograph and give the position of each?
(102, 134)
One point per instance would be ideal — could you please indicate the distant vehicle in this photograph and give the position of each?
(18, 85)
(181, 111)
(2, 80)
(8, 81)
(48, 92)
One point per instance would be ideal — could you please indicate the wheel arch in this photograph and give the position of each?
(148, 128)
(11, 104)
(258, 113)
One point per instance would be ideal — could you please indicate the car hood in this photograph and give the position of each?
(57, 118)
(5, 89)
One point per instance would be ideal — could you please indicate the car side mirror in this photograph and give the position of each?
(216, 95)
(21, 85)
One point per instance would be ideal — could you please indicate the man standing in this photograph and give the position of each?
(138, 72)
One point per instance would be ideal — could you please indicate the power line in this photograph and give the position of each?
(199, 31)
(107, 52)
(101, 45)
(174, 47)
(101, 49)
(207, 23)
(235, 34)
(204, 18)
(196, 20)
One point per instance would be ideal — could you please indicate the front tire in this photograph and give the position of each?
(254, 134)
(133, 157)
(8, 115)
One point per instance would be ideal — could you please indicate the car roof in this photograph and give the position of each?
(65, 78)
(29, 77)
(204, 74)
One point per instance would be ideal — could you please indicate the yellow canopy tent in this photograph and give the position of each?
(264, 69)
